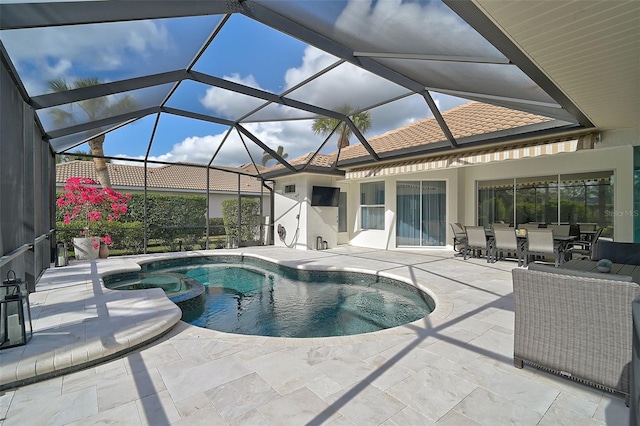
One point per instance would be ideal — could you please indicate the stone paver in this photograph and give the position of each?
(452, 368)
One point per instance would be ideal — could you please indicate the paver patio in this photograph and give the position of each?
(452, 368)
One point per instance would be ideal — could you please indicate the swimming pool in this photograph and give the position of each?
(245, 295)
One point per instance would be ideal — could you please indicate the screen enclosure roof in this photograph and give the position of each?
(224, 82)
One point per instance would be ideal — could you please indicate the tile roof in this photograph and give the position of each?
(320, 160)
(470, 119)
(174, 176)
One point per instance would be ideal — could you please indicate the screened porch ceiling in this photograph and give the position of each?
(224, 82)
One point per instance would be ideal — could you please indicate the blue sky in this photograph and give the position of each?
(245, 52)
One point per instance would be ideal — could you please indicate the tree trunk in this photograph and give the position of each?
(343, 142)
(101, 166)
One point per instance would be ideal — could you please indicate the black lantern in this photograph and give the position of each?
(15, 313)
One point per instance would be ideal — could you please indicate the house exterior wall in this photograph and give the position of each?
(303, 222)
(290, 213)
(386, 238)
(215, 203)
(613, 152)
(618, 159)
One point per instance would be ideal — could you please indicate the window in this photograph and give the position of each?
(372, 205)
(342, 212)
(571, 199)
(421, 213)
(289, 189)
(495, 202)
(537, 199)
(636, 194)
(588, 198)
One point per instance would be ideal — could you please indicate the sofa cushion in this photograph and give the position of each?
(575, 273)
(625, 253)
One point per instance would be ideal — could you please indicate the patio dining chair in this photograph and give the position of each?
(528, 226)
(583, 248)
(506, 244)
(540, 243)
(499, 225)
(459, 237)
(476, 242)
(588, 227)
(559, 230)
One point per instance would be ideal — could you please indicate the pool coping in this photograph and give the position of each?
(443, 306)
(130, 319)
(112, 323)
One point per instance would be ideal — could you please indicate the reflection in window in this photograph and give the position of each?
(421, 213)
(636, 194)
(537, 199)
(577, 198)
(342, 212)
(495, 202)
(588, 198)
(372, 205)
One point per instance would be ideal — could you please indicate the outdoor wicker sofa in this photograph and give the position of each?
(577, 324)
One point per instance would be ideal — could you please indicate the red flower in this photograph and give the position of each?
(84, 200)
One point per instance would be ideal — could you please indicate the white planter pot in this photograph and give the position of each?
(86, 248)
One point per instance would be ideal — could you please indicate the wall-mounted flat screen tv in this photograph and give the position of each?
(326, 196)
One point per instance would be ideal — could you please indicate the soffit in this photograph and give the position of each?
(589, 49)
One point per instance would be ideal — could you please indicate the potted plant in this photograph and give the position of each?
(93, 208)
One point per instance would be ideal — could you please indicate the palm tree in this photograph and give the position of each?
(325, 125)
(93, 109)
(267, 157)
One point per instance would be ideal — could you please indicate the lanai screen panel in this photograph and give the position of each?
(259, 64)
(104, 51)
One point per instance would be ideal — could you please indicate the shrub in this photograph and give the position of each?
(216, 226)
(85, 205)
(250, 216)
(127, 236)
(172, 218)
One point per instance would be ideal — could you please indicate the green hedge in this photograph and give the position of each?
(127, 236)
(175, 222)
(250, 216)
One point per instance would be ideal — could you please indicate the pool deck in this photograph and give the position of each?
(124, 357)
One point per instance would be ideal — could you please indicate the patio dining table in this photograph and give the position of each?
(587, 265)
(564, 240)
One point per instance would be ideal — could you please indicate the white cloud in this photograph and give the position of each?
(402, 27)
(97, 45)
(200, 149)
(346, 83)
(43, 54)
(228, 104)
(370, 22)
(313, 61)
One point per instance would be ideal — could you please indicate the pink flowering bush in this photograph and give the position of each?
(92, 207)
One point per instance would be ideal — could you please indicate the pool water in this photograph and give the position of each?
(259, 299)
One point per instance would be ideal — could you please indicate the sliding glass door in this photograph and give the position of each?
(421, 213)
(409, 213)
(563, 198)
(495, 202)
